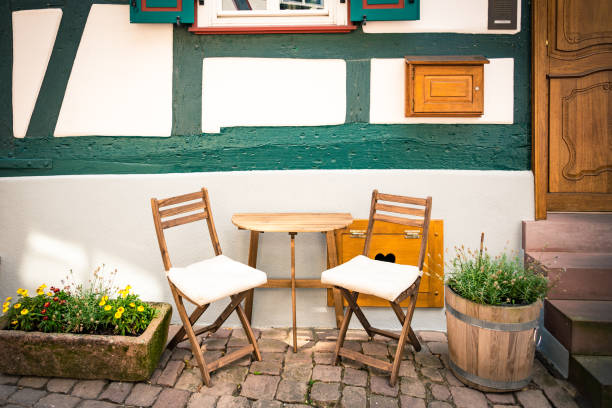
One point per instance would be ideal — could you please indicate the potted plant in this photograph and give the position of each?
(91, 332)
(492, 310)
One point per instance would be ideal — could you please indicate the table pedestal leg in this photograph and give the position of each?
(253, 246)
(293, 234)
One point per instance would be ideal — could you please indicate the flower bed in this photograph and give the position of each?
(77, 331)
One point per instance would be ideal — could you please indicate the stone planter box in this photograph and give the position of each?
(85, 356)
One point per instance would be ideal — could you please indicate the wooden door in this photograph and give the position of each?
(572, 105)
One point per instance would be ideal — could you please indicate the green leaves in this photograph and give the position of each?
(500, 280)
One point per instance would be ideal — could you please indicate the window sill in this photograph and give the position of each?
(273, 29)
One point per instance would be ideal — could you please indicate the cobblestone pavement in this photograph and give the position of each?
(285, 379)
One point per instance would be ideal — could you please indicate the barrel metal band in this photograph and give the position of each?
(491, 325)
(485, 382)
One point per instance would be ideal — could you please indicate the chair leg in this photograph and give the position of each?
(400, 315)
(352, 302)
(342, 334)
(195, 347)
(180, 334)
(248, 330)
(406, 330)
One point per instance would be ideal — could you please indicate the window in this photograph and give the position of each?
(271, 16)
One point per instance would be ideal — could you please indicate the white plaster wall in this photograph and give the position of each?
(53, 224)
(388, 93)
(34, 33)
(272, 92)
(445, 16)
(121, 81)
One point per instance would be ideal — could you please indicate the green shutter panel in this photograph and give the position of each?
(384, 10)
(162, 11)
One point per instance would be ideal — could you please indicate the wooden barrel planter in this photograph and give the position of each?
(491, 348)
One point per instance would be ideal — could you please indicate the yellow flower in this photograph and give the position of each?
(24, 293)
(128, 287)
(25, 311)
(120, 309)
(102, 302)
(17, 305)
(107, 307)
(5, 309)
(40, 292)
(118, 315)
(6, 304)
(19, 291)
(14, 322)
(132, 304)
(105, 298)
(8, 299)
(50, 294)
(140, 308)
(41, 287)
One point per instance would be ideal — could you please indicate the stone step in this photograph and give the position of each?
(581, 326)
(569, 232)
(575, 276)
(592, 376)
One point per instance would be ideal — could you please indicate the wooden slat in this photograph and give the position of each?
(228, 358)
(180, 199)
(362, 358)
(183, 220)
(401, 199)
(402, 210)
(385, 333)
(182, 209)
(399, 220)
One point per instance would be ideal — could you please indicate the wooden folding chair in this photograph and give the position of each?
(203, 282)
(389, 281)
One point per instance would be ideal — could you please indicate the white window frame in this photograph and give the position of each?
(212, 15)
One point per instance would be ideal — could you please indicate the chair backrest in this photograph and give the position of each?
(197, 205)
(415, 212)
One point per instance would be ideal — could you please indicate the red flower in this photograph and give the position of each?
(52, 288)
(43, 311)
(55, 290)
(62, 302)
(55, 299)
(47, 304)
(45, 317)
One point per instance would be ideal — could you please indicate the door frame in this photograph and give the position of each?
(539, 112)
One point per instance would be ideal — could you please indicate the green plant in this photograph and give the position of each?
(499, 280)
(96, 308)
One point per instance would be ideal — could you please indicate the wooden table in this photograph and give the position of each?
(293, 223)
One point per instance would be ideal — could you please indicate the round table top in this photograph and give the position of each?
(292, 222)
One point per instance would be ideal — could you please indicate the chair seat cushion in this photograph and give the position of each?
(364, 275)
(215, 278)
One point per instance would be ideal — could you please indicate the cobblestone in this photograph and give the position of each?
(291, 380)
(117, 392)
(62, 385)
(88, 389)
(260, 386)
(32, 382)
(291, 391)
(353, 397)
(26, 396)
(327, 373)
(325, 393)
(57, 401)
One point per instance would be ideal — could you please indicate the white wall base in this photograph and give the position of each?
(53, 224)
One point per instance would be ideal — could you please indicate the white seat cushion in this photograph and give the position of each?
(215, 278)
(364, 275)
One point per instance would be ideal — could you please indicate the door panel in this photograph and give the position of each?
(581, 24)
(572, 105)
(580, 132)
